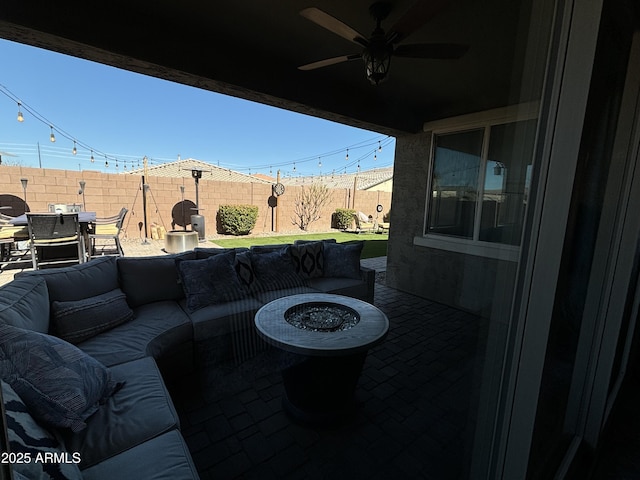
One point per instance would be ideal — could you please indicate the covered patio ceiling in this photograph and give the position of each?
(251, 49)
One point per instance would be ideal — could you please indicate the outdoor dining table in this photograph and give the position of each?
(84, 218)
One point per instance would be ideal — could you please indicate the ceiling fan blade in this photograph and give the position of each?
(329, 61)
(334, 25)
(420, 13)
(431, 50)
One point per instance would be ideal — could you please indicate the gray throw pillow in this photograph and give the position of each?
(61, 385)
(210, 281)
(342, 260)
(29, 439)
(78, 321)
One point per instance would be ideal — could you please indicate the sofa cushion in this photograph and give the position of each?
(24, 303)
(141, 410)
(76, 282)
(151, 279)
(27, 438)
(342, 259)
(165, 457)
(221, 319)
(210, 281)
(157, 328)
(274, 270)
(80, 320)
(206, 252)
(269, 296)
(308, 259)
(61, 385)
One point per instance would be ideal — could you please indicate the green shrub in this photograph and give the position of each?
(343, 218)
(237, 219)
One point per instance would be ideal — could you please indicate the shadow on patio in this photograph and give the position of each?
(415, 417)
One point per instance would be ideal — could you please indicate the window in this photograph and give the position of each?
(479, 183)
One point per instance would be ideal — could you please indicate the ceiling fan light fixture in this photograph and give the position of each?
(376, 64)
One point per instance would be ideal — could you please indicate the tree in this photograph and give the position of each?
(308, 205)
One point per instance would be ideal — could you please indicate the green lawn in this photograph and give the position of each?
(375, 244)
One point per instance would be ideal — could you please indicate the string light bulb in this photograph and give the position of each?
(52, 137)
(75, 150)
(319, 163)
(92, 159)
(379, 146)
(20, 116)
(347, 156)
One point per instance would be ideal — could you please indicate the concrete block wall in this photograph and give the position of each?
(107, 193)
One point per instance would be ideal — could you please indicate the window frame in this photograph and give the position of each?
(475, 121)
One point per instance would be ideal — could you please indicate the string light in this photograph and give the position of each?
(55, 130)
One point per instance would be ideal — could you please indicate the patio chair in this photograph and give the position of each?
(10, 235)
(364, 225)
(107, 230)
(50, 232)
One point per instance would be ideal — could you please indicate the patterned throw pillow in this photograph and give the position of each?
(308, 259)
(61, 385)
(274, 270)
(210, 281)
(29, 439)
(244, 269)
(342, 260)
(80, 320)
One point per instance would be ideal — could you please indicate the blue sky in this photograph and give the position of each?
(127, 116)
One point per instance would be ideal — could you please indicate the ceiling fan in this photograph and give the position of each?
(380, 46)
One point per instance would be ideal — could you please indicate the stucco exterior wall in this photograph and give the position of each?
(468, 282)
(107, 193)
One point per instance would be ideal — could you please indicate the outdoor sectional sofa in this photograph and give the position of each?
(85, 351)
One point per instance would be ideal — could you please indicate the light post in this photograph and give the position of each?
(81, 191)
(24, 182)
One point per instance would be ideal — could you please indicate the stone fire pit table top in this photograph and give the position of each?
(370, 330)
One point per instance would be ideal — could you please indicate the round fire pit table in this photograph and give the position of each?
(331, 335)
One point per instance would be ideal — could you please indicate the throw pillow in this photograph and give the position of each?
(210, 281)
(342, 260)
(80, 320)
(274, 270)
(308, 259)
(61, 385)
(27, 438)
(244, 269)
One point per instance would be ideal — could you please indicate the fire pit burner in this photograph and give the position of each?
(322, 317)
